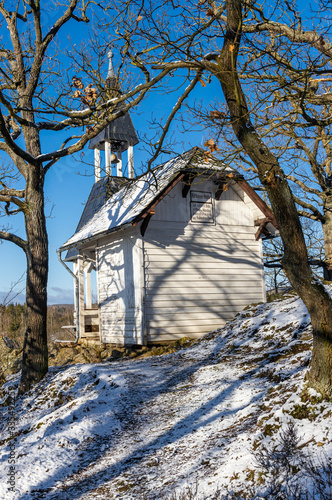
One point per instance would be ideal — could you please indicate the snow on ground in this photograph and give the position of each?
(154, 427)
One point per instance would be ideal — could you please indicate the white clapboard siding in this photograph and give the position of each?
(171, 307)
(192, 264)
(215, 236)
(222, 249)
(178, 287)
(119, 265)
(257, 213)
(178, 279)
(200, 292)
(199, 275)
(160, 335)
(227, 273)
(196, 313)
(173, 212)
(231, 210)
(204, 258)
(168, 301)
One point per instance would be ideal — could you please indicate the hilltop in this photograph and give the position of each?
(227, 417)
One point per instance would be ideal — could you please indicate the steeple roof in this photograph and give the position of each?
(121, 131)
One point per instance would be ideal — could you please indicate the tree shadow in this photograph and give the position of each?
(169, 375)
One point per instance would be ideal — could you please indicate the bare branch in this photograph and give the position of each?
(11, 144)
(171, 116)
(4, 235)
(20, 193)
(12, 199)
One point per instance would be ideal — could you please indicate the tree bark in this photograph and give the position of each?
(35, 353)
(327, 231)
(295, 261)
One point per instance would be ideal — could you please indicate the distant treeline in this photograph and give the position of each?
(12, 319)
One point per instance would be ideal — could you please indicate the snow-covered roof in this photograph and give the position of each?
(128, 203)
(101, 191)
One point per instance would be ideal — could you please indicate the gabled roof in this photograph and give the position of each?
(138, 197)
(129, 202)
(120, 130)
(101, 191)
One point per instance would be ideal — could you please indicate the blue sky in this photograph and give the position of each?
(67, 187)
(69, 181)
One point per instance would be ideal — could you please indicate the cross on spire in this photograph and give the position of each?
(111, 77)
(116, 138)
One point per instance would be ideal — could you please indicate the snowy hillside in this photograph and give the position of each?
(208, 418)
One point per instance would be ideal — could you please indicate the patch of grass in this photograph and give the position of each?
(270, 375)
(70, 382)
(8, 402)
(256, 444)
(122, 486)
(261, 479)
(270, 429)
(311, 398)
(62, 399)
(250, 475)
(302, 411)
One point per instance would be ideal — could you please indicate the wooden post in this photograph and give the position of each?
(97, 165)
(75, 270)
(108, 158)
(88, 302)
(119, 165)
(81, 294)
(131, 162)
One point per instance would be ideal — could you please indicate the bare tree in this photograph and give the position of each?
(291, 82)
(288, 89)
(38, 93)
(197, 40)
(209, 40)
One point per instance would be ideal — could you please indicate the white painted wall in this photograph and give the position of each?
(183, 278)
(199, 275)
(120, 289)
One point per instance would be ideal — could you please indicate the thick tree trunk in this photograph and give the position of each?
(327, 231)
(295, 262)
(319, 306)
(35, 354)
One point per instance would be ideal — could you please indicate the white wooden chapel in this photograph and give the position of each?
(177, 251)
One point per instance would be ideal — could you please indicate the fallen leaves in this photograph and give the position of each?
(90, 92)
(88, 96)
(269, 177)
(90, 130)
(217, 114)
(77, 82)
(211, 145)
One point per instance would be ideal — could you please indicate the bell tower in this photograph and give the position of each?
(117, 138)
